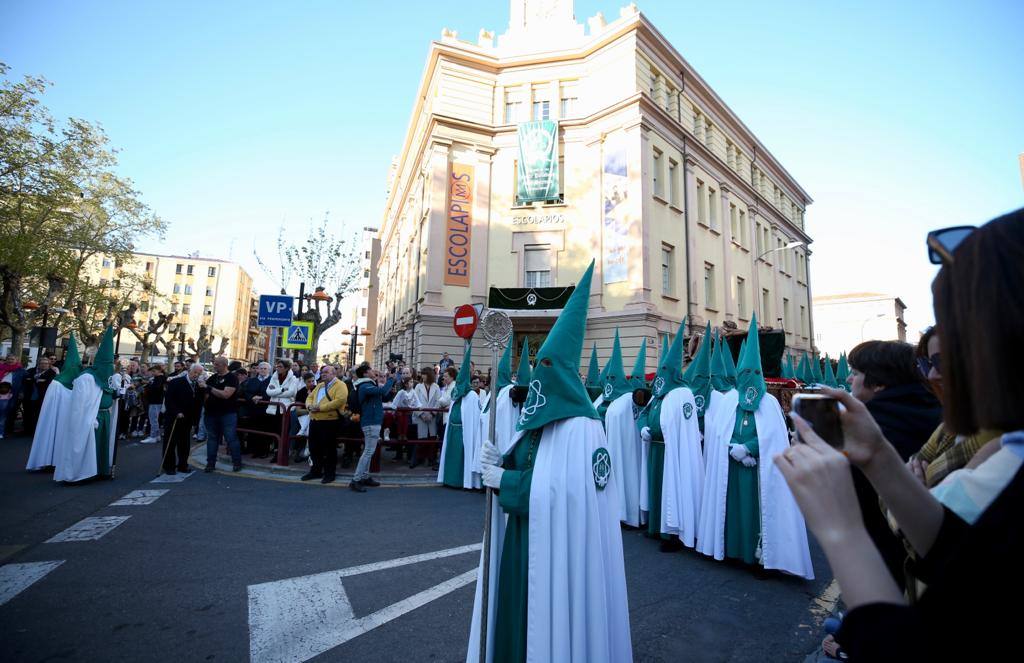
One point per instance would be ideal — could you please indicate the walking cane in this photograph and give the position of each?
(497, 329)
(170, 443)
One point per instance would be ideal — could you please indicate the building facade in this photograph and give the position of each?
(843, 321)
(686, 213)
(205, 293)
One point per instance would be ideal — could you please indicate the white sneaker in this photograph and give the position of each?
(149, 440)
(387, 434)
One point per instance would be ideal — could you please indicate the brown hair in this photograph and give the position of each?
(885, 363)
(428, 375)
(452, 372)
(979, 308)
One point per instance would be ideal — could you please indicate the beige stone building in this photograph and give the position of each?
(684, 210)
(200, 292)
(844, 320)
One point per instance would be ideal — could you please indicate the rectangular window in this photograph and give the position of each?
(709, 285)
(744, 231)
(177, 288)
(702, 204)
(667, 270)
(106, 263)
(174, 307)
(149, 267)
(207, 310)
(362, 312)
(116, 283)
(188, 271)
(144, 306)
(178, 268)
(568, 100)
(741, 297)
(211, 272)
(803, 321)
(138, 346)
(209, 291)
(766, 306)
(537, 266)
(786, 315)
(541, 110)
(185, 309)
(734, 223)
(758, 240)
(511, 111)
(712, 209)
(673, 183)
(659, 187)
(188, 289)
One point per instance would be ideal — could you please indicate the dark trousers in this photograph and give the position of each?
(31, 411)
(323, 446)
(177, 432)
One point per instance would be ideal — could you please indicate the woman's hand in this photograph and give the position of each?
(863, 440)
(919, 469)
(820, 479)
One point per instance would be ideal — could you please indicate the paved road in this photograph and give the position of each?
(216, 568)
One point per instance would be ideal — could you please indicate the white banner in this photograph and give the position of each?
(615, 218)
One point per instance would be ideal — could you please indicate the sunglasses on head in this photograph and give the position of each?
(942, 243)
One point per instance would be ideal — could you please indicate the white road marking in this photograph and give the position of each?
(139, 498)
(15, 578)
(172, 478)
(295, 619)
(89, 529)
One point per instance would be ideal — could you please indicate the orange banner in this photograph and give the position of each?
(459, 225)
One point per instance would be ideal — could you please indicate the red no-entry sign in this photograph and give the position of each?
(465, 322)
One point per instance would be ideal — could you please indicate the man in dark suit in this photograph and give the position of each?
(181, 407)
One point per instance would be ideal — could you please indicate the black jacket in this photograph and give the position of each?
(181, 397)
(907, 415)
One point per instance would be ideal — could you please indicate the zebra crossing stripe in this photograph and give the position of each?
(89, 529)
(15, 578)
(139, 497)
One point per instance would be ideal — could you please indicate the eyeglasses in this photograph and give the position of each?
(942, 243)
(926, 364)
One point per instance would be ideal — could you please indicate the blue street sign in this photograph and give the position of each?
(275, 311)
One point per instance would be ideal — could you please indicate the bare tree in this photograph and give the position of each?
(198, 347)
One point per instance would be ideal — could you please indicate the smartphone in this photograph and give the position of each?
(822, 413)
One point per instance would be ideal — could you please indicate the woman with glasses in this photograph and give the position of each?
(970, 564)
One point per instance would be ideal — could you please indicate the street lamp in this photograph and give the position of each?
(757, 274)
(866, 321)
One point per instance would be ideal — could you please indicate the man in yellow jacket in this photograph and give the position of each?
(325, 404)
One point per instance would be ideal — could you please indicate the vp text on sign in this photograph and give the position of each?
(275, 311)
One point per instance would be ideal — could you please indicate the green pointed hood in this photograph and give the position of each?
(830, 377)
(816, 369)
(72, 363)
(505, 368)
(730, 364)
(523, 374)
(670, 367)
(698, 374)
(615, 383)
(556, 391)
(719, 374)
(803, 372)
(664, 348)
(103, 363)
(749, 378)
(788, 372)
(593, 369)
(464, 377)
(638, 378)
(843, 372)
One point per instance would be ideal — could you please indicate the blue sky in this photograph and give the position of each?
(233, 117)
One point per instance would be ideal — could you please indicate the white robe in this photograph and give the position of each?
(577, 608)
(682, 483)
(46, 441)
(783, 531)
(506, 415)
(470, 443)
(624, 447)
(77, 460)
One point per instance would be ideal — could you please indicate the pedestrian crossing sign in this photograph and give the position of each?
(299, 336)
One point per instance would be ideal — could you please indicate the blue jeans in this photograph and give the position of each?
(218, 425)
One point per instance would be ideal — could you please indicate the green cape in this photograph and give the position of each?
(556, 391)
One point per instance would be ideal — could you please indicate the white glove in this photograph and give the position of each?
(489, 454)
(492, 476)
(738, 452)
(749, 461)
(645, 434)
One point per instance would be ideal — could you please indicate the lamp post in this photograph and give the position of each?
(866, 321)
(757, 274)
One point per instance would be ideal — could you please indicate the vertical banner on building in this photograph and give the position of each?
(538, 162)
(459, 225)
(616, 221)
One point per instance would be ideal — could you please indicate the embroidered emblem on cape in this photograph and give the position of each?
(608, 389)
(602, 462)
(698, 400)
(636, 411)
(531, 299)
(750, 395)
(687, 410)
(659, 384)
(535, 401)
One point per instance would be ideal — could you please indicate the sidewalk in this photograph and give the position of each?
(392, 474)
